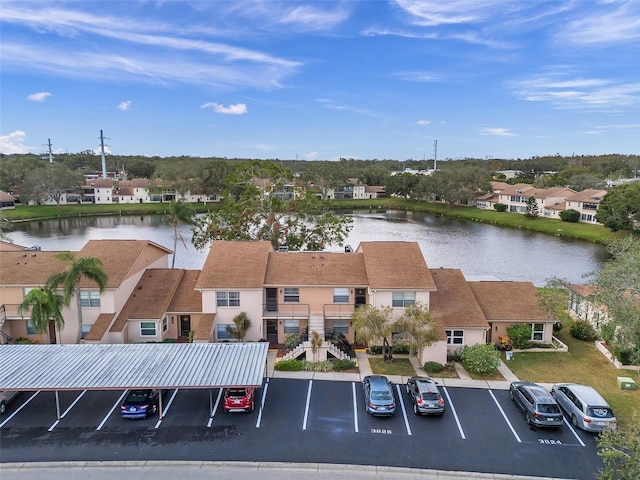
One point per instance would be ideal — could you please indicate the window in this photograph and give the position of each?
(455, 337)
(340, 295)
(31, 330)
(291, 294)
(89, 298)
(221, 331)
(147, 329)
(165, 323)
(228, 299)
(537, 331)
(341, 326)
(403, 299)
(85, 329)
(291, 326)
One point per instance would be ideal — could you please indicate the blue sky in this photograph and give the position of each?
(322, 79)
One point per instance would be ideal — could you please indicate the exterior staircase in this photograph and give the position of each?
(336, 352)
(316, 324)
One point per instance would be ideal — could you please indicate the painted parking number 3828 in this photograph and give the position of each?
(381, 430)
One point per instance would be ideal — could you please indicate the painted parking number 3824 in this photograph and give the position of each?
(381, 430)
(549, 442)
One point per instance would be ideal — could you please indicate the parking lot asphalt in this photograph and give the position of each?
(298, 402)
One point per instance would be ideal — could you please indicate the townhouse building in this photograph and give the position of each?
(586, 202)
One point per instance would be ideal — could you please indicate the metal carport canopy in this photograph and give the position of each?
(119, 367)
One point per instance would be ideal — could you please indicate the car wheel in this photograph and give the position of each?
(511, 394)
(415, 409)
(154, 409)
(527, 418)
(407, 389)
(574, 420)
(3, 407)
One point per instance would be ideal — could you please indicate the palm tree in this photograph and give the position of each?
(69, 280)
(241, 324)
(179, 211)
(46, 311)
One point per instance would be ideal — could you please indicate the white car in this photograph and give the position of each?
(584, 406)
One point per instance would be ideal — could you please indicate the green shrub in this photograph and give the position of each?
(453, 356)
(500, 207)
(432, 367)
(339, 365)
(288, 365)
(480, 358)
(520, 335)
(570, 215)
(583, 330)
(292, 340)
(324, 366)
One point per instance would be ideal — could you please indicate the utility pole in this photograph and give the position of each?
(104, 160)
(50, 152)
(435, 154)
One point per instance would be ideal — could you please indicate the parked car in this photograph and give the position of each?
(378, 395)
(5, 399)
(239, 399)
(539, 407)
(140, 403)
(425, 395)
(585, 407)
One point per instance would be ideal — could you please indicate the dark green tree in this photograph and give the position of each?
(460, 185)
(263, 202)
(620, 207)
(532, 208)
(45, 311)
(69, 280)
(51, 181)
(620, 453)
(570, 215)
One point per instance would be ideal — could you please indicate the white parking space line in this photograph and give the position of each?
(575, 434)
(504, 415)
(115, 405)
(19, 408)
(166, 409)
(455, 414)
(306, 408)
(355, 408)
(215, 408)
(264, 399)
(404, 411)
(55, 424)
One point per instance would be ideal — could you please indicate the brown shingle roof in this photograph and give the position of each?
(395, 265)
(28, 268)
(590, 196)
(508, 301)
(315, 268)
(117, 256)
(186, 297)
(584, 290)
(203, 330)
(151, 296)
(100, 327)
(235, 264)
(453, 303)
(10, 247)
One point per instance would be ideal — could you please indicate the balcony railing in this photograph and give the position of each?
(286, 310)
(338, 310)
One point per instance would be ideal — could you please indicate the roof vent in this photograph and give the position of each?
(283, 249)
(348, 249)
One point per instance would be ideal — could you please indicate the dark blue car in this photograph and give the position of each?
(140, 403)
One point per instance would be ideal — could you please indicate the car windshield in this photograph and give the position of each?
(237, 392)
(137, 396)
(380, 395)
(548, 408)
(430, 396)
(600, 412)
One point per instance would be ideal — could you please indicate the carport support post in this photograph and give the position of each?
(211, 402)
(160, 405)
(57, 406)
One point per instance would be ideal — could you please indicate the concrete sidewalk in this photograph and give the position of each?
(364, 366)
(171, 470)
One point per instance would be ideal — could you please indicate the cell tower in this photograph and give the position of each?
(435, 154)
(50, 152)
(104, 160)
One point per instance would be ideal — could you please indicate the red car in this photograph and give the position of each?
(239, 399)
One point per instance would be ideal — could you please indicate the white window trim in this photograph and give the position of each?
(451, 335)
(155, 329)
(534, 332)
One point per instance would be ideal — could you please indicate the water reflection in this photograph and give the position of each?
(481, 251)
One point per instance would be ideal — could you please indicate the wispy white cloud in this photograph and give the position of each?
(38, 96)
(610, 24)
(418, 76)
(14, 143)
(497, 131)
(124, 106)
(331, 105)
(423, 122)
(312, 17)
(310, 156)
(578, 93)
(233, 109)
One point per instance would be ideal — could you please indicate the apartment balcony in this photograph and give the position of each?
(338, 311)
(286, 310)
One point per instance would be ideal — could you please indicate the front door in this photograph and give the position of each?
(185, 325)
(360, 296)
(272, 330)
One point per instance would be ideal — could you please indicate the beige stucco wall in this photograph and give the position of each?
(499, 329)
(436, 352)
(384, 298)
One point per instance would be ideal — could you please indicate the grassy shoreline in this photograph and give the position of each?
(579, 231)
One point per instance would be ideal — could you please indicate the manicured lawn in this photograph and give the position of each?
(581, 364)
(400, 366)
